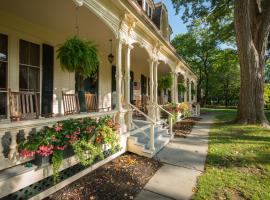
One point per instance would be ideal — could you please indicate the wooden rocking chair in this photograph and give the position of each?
(91, 102)
(71, 103)
(23, 105)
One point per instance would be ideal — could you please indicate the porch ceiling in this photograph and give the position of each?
(60, 17)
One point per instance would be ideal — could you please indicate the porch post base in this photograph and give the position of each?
(151, 111)
(121, 121)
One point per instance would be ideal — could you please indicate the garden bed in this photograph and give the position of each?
(184, 127)
(122, 178)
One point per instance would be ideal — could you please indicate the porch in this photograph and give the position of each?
(29, 42)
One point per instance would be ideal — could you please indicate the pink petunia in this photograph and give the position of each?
(45, 150)
(27, 153)
(58, 127)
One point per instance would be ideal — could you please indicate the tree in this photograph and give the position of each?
(225, 79)
(198, 48)
(251, 21)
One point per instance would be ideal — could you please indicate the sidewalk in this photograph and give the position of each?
(184, 160)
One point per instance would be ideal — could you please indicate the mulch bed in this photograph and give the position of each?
(122, 178)
(184, 127)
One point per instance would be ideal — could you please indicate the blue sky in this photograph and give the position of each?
(175, 20)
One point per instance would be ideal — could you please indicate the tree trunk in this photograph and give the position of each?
(251, 42)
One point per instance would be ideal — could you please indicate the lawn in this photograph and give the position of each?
(238, 162)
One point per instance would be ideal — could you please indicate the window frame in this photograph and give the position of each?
(38, 91)
(5, 90)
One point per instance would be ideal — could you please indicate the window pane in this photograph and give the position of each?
(3, 105)
(33, 79)
(23, 78)
(3, 47)
(24, 52)
(3, 75)
(34, 54)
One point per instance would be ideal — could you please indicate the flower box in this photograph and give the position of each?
(42, 161)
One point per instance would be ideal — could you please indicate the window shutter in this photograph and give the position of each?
(47, 79)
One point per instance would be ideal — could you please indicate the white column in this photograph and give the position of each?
(195, 95)
(172, 88)
(119, 75)
(176, 88)
(189, 92)
(127, 85)
(185, 93)
(151, 84)
(157, 115)
(151, 106)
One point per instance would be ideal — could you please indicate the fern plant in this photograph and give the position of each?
(78, 55)
(181, 87)
(165, 82)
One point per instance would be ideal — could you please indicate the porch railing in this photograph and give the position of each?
(11, 133)
(170, 118)
(152, 126)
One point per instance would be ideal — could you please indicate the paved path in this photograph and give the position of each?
(183, 160)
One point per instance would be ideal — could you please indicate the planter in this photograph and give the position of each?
(42, 161)
(68, 152)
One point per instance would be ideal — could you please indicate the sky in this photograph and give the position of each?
(175, 20)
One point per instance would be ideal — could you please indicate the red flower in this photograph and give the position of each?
(26, 153)
(98, 139)
(58, 127)
(62, 148)
(45, 150)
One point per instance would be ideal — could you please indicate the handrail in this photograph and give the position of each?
(7, 126)
(170, 119)
(152, 127)
(142, 113)
(164, 110)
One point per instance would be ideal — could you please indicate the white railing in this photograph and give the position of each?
(10, 132)
(152, 126)
(170, 118)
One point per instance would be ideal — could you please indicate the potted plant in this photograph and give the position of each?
(165, 82)
(78, 55)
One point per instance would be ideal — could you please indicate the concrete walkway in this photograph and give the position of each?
(184, 160)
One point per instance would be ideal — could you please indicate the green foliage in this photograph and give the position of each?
(87, 152)
(217, 16)
(57, 159)
(181, 87)
(87, 137)
(77, 55)
(267, 96)
(238, 161)
(165, 82)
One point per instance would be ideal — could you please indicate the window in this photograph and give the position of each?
(140, 2)
(3, 74)
(146, 8)
(150, 12)
(29, 66)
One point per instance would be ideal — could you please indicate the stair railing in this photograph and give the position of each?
(171, 116)
(152, 126)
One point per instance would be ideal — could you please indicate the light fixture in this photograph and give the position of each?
(111, 56)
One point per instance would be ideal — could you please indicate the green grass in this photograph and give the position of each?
(238, 162)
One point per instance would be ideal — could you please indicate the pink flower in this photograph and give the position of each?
(58, 127)
(62, 148)
(26, 153)
(76, 132)
(45, 150)
(89, 129)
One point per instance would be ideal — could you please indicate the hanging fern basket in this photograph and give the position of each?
(78, 55)
(165, 82)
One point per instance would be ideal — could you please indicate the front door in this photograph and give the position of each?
(82, 85)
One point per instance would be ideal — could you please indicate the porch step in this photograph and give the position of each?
(139, 141)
